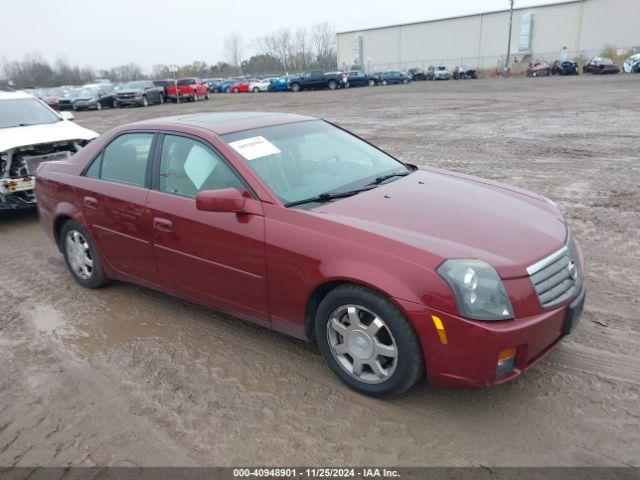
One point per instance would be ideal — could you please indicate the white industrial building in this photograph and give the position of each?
(582, 27)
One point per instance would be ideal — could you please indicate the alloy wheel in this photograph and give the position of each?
(362, 344)
(79, 254)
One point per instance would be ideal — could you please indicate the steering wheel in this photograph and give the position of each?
(323, 161)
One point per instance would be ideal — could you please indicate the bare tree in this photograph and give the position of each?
(324, 41)
(233, 47)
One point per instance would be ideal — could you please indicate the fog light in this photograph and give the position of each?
(506, 362)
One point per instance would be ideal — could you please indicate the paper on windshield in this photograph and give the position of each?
(254, 147)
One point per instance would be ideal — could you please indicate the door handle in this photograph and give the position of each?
(162, 224)
(91, 202)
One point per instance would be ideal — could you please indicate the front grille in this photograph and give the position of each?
(557, 277)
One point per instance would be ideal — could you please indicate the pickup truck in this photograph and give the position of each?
(189, 88)
(316, 79)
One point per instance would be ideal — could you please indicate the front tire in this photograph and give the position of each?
(295, 87)
(384, 82)
(332, 84)
(367, 342)
(256, 90)
(82, 256)
(372, 83)
(145, 102)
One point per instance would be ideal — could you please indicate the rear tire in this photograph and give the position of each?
(372, 83)
(82, 256)
(195, 96)
(379, 328)
(256, 90)
(295, 87)
(332, 84)
(384, 82)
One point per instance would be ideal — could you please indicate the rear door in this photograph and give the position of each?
(216, 258)
(112, 194)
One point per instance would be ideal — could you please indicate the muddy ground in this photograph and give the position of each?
(128, 376)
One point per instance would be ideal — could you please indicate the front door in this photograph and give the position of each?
(209, 257)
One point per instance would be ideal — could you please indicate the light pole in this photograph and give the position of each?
(509, 41)
(174, 69)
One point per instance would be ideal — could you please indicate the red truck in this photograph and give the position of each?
(189, 88)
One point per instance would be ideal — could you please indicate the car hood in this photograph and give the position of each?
(451, 215)
(134, 90)
(36, 134)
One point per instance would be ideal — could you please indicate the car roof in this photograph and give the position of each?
(14, 95)
(221, 123)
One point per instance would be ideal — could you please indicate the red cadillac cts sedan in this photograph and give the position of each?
(298, 225)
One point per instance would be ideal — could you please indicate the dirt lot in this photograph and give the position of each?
(128, 376)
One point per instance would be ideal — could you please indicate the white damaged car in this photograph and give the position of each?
(632, 64)
(32, 133)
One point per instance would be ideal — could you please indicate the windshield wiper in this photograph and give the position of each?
(327, 197)
(381, 179)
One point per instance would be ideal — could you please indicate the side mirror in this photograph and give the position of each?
(66, 115)
(223, 200)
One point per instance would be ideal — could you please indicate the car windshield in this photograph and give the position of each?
(88, 93)
(605, 61)
(441, 68)
(186, 81)
(132, 85)
(306, 159)
(23, 112)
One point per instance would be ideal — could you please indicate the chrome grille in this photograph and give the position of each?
(557, 277)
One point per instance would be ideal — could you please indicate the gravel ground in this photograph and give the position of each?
(128, 376)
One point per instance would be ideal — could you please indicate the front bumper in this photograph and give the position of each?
(469, 357)
(16, 193)
(129, 101)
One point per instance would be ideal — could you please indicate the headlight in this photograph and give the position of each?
(478, 290)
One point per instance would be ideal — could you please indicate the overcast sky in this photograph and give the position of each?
(114, 32)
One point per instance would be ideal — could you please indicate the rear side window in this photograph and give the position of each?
(124, 160)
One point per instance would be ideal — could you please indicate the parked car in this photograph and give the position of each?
(417, 74)
(264, 85)
(188, 88)
(281, 84)
(32, 133)
(464, 72)
(140, 93)
(565, 67)
(164, 84)
(300, 226)
(95, 97)
(392, 77)
(358, 78)
(539, 69)
(438, 73)
(213, 84)
(600, 66)
(315, 79)
(632, 64)
(65, 102)
(239, 87)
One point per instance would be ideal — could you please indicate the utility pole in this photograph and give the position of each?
(509, 42)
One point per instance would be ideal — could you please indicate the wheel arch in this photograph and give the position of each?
(321, 290)
(64, 213)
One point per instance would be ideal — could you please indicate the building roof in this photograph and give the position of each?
(559, 2)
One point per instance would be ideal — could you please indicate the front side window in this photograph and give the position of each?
(124, 160)
(188, 166)
(305, 159)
